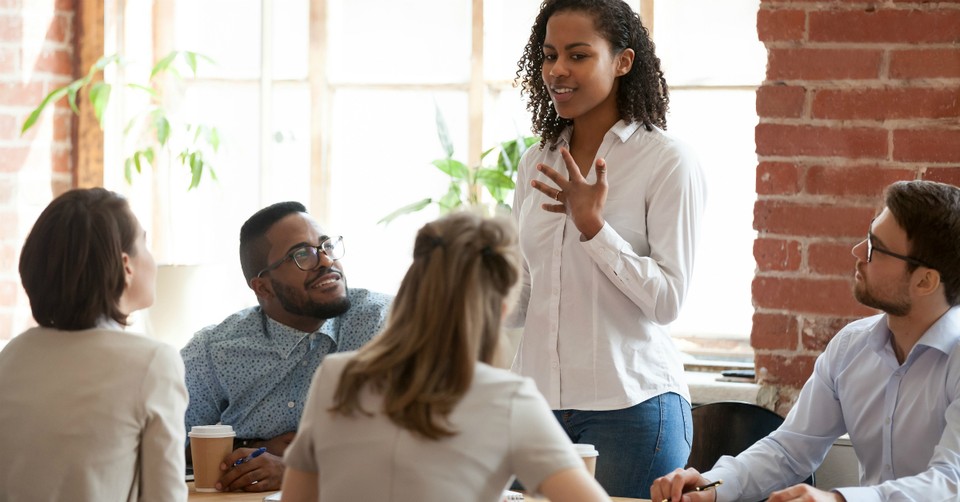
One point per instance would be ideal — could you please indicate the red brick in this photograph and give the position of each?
(8, 228)
(780, 101)
(926, 145)
(809, 220)
(823, 64)
(8, 292)
(59, 29)
(774, 332)
(62, 127)
(885, 26)
(818, 331)
(777, 254)
(856, 180)
(781, 25)
(11, 28)
(832, 258)
(55, 61)
(778, 178)
(887, 103)
(60, 161)
(17, 94)
(949, 175)
(9, 60)
(8, 189)
(8, 255)
(823, 296)
(9, 127)
(65, 5)
(821, 141)
(793, 370)
(925, 63)
(13, 159)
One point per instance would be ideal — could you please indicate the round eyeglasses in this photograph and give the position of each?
(308, 257)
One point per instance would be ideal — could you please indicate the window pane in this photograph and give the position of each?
(379, 167)
(506, 29)
(291, 39)
(233, 40)
(706, 42)
(376, 41)
(719, 302)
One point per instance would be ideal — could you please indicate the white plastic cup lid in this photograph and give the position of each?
(586, 450)
(212, 431)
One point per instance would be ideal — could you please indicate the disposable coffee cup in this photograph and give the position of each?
(209, 444)
(589, 455)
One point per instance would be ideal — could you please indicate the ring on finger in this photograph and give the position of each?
(556, 196)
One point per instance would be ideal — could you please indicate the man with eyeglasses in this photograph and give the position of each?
(252, 371)
(891, 381)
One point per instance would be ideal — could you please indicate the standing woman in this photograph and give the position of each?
(87, 411)
(609, 210)
(419, 414)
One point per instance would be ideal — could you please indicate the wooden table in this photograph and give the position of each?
(258, 497)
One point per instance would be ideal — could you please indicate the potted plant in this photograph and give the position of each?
(471, 186)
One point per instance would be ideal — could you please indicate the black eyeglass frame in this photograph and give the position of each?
(336, 242)
(871, 247)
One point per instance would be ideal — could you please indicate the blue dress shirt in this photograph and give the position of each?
(903, 420)
(253, 373)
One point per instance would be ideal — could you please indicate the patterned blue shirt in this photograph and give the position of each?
(253, 373)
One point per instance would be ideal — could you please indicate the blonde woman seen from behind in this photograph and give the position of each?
(420, 414)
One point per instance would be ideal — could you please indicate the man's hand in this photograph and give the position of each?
(261, 474)
(805, 493)
(677, 487)
(279, 444)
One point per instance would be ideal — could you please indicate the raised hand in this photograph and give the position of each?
(583, 201)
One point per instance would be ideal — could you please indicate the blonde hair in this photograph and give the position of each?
(446, 317)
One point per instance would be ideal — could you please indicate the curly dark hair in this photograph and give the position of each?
(642, 95)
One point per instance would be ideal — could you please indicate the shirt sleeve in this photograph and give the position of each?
(794, 451)
(538, 446)
(207, 396)
(658, 283)
(517, 315)
(162, 462)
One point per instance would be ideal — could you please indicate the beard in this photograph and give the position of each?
(296, 302)
(898, 306)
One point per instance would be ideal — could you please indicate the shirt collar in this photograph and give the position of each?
(621, 129)
(285, 338)
(943, 335)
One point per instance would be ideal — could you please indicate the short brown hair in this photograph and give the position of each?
(446, 316)
(71, 264)
(929, 213)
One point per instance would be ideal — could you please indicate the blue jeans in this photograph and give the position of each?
(636, 444)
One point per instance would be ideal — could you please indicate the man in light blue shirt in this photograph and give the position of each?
(892, 381)
(253, 370)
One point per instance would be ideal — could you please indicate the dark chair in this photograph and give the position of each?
(728, 428)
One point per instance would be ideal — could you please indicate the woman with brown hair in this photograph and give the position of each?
(421, 413)
(88, 412)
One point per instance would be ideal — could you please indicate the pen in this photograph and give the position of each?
(259, 451)
(703, 488)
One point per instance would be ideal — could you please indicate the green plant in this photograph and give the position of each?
(467, 183)
(154, 128)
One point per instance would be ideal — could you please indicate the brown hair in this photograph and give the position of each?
(929, 213)
(446, 317)
(71, 264)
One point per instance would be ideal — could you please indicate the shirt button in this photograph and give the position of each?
(291, 404)
(887, 421)
(887, 467)
(554, 365)
(303, 363)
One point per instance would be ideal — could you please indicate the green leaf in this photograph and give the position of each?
(127, 171)
(454, 168)
(196, 169)
(443, 133)
(492, 178)
(99, 97)
(409, 208)
(191, 58)
(163, 128)
(452, 199)
(102, 63)
(163, 64)
(53, 97)
(213, 137)
(72, 98)
(213, 174)
(136, 161)
(149, 154)
(149, 90)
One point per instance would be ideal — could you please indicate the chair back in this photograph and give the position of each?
(728, 428)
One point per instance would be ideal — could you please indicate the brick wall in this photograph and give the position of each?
(36, 55)
(857, 95)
